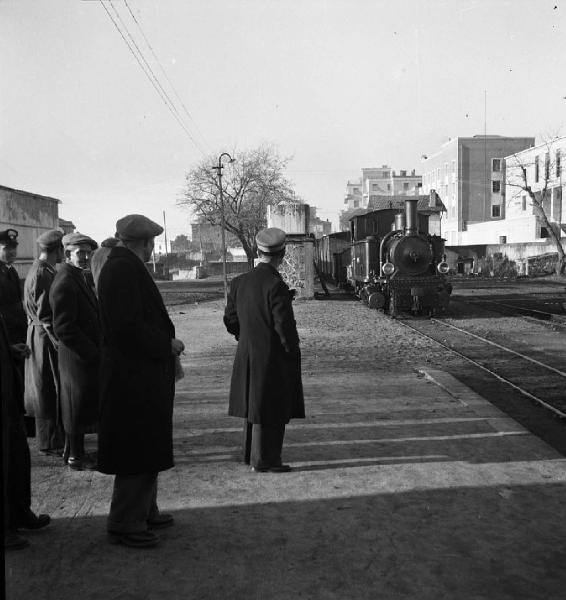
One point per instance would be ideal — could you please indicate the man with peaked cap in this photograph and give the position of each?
(77, 329)
(16, 464)
(135, 439)
(41, 370)
(11, 304)
(266, 388)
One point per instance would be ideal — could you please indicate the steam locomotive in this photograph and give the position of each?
(392, 262)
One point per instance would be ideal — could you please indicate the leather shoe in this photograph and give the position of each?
(273, 469)
(14, 541)
(52, 452)
(33, 521)
(82, 464)
(161, 521)
(137, 539)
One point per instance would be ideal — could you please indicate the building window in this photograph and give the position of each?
(496, 211)
(356, 203)
(524, 202)
(496, 165)
(388, 187)
(496, 187)
(546, 166)
(405, 185)
(374, 186)
(537, 174)
(453, 166)
(558, 166)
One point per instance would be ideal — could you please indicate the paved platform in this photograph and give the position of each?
(405, 484)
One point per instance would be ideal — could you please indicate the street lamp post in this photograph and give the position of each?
(218, 168)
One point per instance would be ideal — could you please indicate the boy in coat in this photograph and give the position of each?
(76, 326)
(135, 440)
(266, 387)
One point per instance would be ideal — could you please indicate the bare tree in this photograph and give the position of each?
(253, 182)
(537, 173)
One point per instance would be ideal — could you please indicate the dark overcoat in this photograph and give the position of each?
(11, 304)
(138, 377)
(266, 386)
(41, 370)
(76, 325)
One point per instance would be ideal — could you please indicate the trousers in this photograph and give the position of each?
(134, 501)
(263, 444)
(17, 473)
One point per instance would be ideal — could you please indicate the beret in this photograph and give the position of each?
(50, 239)
(270, 240)
(137, 227)
(76, 239)
(9, 237)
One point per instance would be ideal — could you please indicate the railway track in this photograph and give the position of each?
(533, 377)
(554, 315)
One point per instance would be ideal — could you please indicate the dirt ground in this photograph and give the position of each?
(405, 485)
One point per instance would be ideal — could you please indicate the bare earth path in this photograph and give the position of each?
(405, 485)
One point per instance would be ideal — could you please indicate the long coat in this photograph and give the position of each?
(76, 325)
(266, 386)
(41, 370)
(11, 304)
(138, 377)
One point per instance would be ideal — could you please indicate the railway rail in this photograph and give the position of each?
(533, 378)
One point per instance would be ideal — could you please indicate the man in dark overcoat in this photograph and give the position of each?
(76, 326)
(135, 440)
(16, 464)
(266, 387)
(41, 371)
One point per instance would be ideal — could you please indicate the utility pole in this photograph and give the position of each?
(166, 251)
(218, 168)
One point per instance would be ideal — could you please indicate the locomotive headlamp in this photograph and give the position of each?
(443, 268)
(388, 268)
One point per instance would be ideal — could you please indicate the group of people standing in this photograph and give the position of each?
(97, 352)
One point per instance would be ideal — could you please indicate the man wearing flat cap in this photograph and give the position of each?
(41, 370)
(266, 388)
(11, 304)
(77, 329)
(135, 440)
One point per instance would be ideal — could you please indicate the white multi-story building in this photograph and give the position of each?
(380, 181)
(539, 168)
(468, 174)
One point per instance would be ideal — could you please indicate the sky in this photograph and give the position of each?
(335, 85)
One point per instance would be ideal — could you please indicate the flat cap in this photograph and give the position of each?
(137, 227)
(9, 237)
(270, 240)
(50, 239)
(76, 239)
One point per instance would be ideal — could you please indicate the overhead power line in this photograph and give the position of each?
(165, 73)
(148, 72)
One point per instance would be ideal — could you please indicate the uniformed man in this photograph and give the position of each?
(16, 463)
(11, 303)
(266, 388)
(77, 329)
(135, 440)
(41, 371)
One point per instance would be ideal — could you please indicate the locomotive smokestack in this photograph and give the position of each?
(411, 227)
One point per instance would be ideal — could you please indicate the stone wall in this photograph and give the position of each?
(298, 266)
